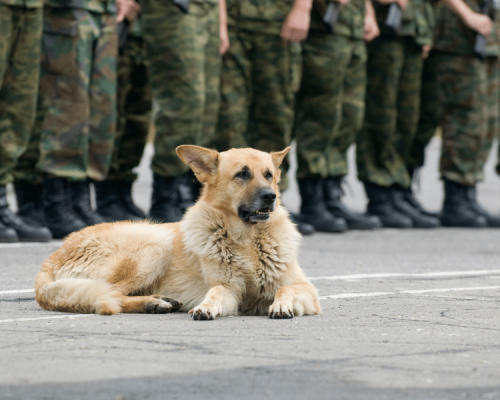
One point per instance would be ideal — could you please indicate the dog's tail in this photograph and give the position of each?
(75, 295)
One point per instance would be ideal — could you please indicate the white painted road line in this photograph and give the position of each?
(375, 294)
(17, 291)
(56, 243)
(43, 318)
(490, 272)
(349, 295)
(449, 290)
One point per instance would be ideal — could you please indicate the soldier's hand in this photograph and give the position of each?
(426, 48)
(224, 39)
(296, 25)
(127, 9)
(402, 3)
(371, 30)
(479, 23)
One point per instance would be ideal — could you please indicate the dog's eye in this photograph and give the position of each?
(268, 175)
(243, 174)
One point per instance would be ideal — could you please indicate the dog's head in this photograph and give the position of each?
(243, 182)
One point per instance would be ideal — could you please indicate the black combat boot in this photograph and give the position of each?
(313, 209)
(30, 202)
(125, 196)
(165, 199)
(492, 220)
(79, 192)
(7, 235)
(303, 228)
(109, 204)
(25, 231)
(333, 192)
(410, 196)
(402, 206)
(457, 210)
(380, 204)
(59, 215)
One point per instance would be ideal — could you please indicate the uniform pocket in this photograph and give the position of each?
(59, 42)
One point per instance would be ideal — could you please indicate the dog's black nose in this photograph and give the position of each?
(268, 196)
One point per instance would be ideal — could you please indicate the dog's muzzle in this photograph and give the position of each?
(260, 209)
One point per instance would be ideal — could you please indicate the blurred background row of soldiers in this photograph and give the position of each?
(78, 79)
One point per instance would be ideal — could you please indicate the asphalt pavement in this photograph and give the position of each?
(410, 314)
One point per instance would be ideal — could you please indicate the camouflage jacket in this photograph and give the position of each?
(453, 36)
(98, 6)
(263, 10)
(351, 18)
(25, 3)
(417, 20)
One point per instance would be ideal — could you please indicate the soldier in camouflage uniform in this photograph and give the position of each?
(470, 111)
(20, 33)
(184, 66)
(260, 75)
(114, 195)
(77, 104)
(392, 110)
(329, 113)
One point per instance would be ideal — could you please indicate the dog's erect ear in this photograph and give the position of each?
(202, 161)
(278, 156)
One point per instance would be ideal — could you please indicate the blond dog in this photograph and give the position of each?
(233, 253)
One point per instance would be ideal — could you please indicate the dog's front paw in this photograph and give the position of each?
(278, 310)
(202, 313)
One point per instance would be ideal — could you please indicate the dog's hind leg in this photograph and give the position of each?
(135, 279)
(76, 295)
(155, 304)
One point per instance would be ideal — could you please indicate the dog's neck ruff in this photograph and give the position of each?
(203, 222)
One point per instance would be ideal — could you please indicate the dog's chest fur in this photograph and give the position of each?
(258, 261)
(255, 263)
(257, 267)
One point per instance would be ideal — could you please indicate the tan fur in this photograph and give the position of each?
(212, 261)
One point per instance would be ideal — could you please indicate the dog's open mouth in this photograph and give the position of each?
(261, 215)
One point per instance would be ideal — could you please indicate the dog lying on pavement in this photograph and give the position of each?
(233, 253)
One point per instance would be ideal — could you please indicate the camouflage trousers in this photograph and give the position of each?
(76, 118)
(330, 103)
(384, 144)
(260, 76)
(20, 33)
(429, 112)
(25, 171)
(184, 70)
(134, 111)
(469, 95)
